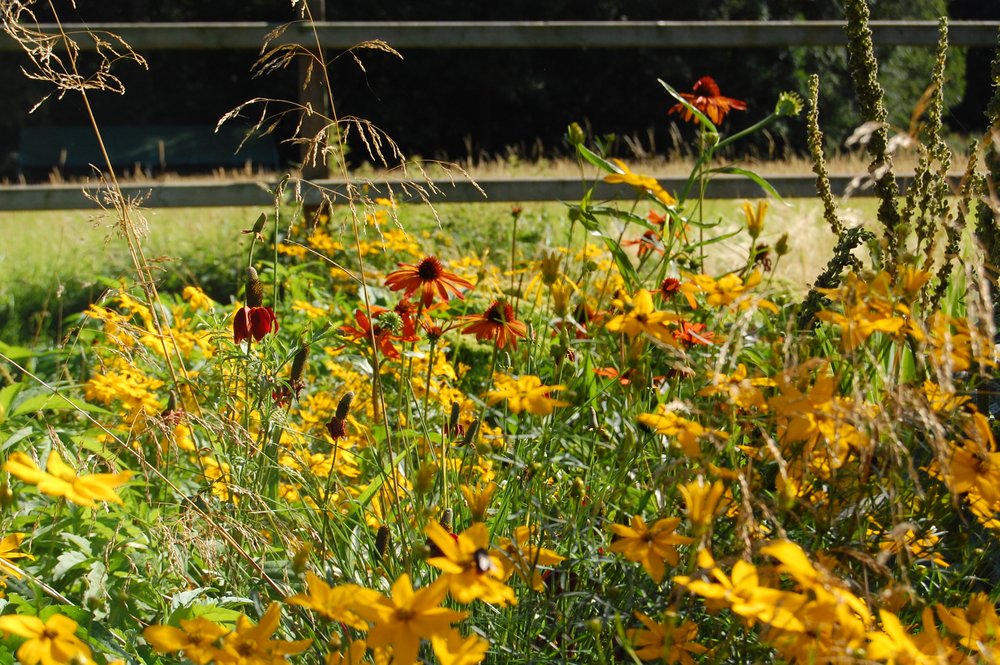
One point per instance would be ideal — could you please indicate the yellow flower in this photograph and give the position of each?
(744, 393)
(355, 654)
(649, 546)
(334, 603)
(755, 219)
(408, 617)
(727, 290)
(478, 499)
(470, 571)
(251, 643)
(686, 432)
(670, 641)
(9, 550)
(641, 183)
(701, 502)
(975, 625)
(60, 480)
(975, 466)
(453, 649)
(742, 593)
(894, 644)
(520, 556)
(640, 317)
(197, 298)
(526, 393)
(196, 638)
(51, 642)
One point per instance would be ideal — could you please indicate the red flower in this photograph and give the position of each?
(649, 242)
(705, 97)
(430, 277)
(253, 322)
(690, 334)
(669, 287)
(497, 323)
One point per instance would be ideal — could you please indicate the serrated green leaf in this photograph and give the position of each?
(67, 561)
(82, 544)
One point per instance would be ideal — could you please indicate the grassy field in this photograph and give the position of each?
(56, 262)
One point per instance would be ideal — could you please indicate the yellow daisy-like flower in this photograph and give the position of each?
(334, 603)
(650, 546)
(641, 183)
(668, 640)
(639, 316)
(409, 616)
(50, 642)
(470, 571)
(61, 481)
(196, 638)
(526, 393)
(686, 432)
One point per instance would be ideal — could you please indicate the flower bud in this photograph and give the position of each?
(575, 133)
(781, 247)
(344, 407)
(382, 542)
(301, 558)
(789, 104)
(255, 290)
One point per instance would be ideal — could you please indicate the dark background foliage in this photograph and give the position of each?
(455, 104)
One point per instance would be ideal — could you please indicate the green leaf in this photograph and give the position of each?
(66, 561)
(756, 177)
(55, 402)
(185, 598)
(597, 160)
(15, 352)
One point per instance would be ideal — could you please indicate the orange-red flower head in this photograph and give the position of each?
(705, 97)
(497, 323)
(430, 278)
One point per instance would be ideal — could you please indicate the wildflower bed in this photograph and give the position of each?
(387, 450)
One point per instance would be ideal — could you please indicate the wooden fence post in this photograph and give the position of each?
(313, 95)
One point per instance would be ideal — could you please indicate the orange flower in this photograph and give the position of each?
(648, 242)
(496, 323)
(705, 97)
(430, 277)
(388, 327)
(690, 334)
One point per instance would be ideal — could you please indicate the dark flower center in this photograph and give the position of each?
(669, 286)
(500, 312)
(430, 269)
(706, 87)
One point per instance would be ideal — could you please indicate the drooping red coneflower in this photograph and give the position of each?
(497, 323)
(253, 322)
(430, 278)
(705, 97)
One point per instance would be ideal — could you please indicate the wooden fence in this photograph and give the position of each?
(478, 35)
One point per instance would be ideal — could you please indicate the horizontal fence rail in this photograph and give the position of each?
(505, 190)
(529, 34)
